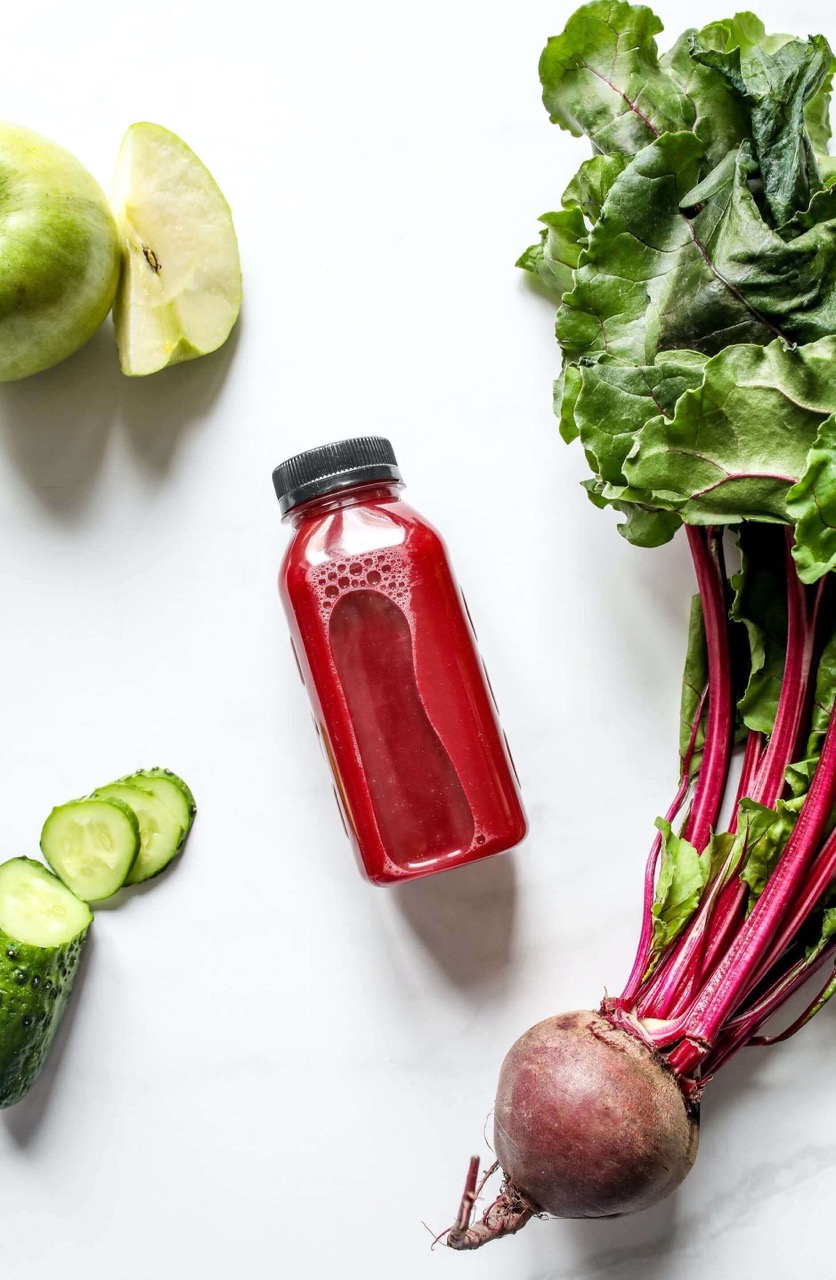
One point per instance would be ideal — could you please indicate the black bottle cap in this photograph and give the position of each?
(330, 467)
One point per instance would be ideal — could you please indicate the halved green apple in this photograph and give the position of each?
(180, 289)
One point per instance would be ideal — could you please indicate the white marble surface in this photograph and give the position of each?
(270, 1068)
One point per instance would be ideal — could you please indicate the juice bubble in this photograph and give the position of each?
(381, 570)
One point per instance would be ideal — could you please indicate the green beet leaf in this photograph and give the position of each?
(817, 116)
(721, 120)
(765, 286)
(760, 604)
(824, 934)
(566, 391)
(695, 259)
(616, 400)
(812, 505)
(800, 773)
(737, 444)
(777, 87)
(763, 834)
(744, 31)
(602, 77)
(631, 249)
(642, 526)
(591, 184)
(694, 685)
(820, 211)
(683, 875)
(554, 258)
(828, 924)
(678, 263)
(608, 404)
(824, 698)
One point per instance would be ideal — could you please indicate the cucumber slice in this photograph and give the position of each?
(170, 791)
(42, 931)
(92, 845)
(161, 835)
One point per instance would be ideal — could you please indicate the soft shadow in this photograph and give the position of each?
(464, 918)
(533, 284)
(637, 1247)
(159, 409)
(57, 424)
(25, 1118)
(740, 1074)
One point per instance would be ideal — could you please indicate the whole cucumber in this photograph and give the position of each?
(37, 969)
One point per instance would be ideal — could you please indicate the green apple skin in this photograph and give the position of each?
(59, 253)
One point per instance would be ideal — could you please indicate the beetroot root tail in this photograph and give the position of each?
(509, 1212)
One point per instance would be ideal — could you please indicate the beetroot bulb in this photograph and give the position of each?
(589, 1122)
(693, 261)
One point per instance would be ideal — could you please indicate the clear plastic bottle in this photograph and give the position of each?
(423, 776)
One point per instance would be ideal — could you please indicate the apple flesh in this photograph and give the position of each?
(180, 290)
(59, 253)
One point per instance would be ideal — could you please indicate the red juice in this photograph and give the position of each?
(423, 776)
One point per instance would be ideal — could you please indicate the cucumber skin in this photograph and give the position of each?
(35, 985)
(130, 881)
(135, 780)
(172, 777)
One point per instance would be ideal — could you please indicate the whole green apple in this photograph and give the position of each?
(59, 253)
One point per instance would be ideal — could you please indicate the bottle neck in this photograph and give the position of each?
(352, 496)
